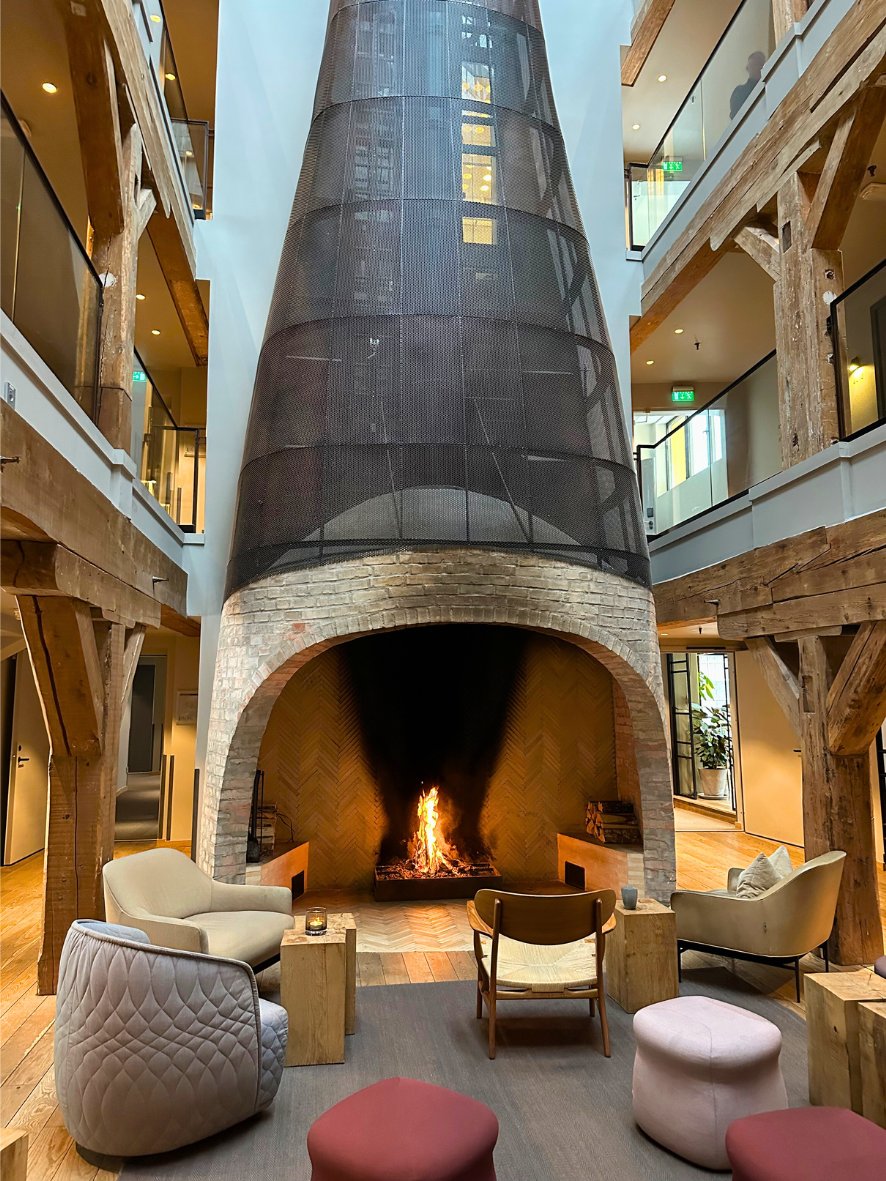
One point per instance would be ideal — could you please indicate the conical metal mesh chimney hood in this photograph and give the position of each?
(436, 369)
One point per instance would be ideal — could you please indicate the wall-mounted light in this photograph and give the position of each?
(170, 77)
(854, 364)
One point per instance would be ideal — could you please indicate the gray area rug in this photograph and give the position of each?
(564, 1109)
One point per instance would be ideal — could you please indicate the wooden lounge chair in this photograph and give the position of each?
(540, 947)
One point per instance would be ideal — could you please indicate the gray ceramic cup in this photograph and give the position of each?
(629, 896)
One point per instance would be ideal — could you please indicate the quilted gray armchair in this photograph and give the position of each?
(156, 1048)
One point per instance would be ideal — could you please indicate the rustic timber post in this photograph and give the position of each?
(83, 657)
(785, 14)
(801, 254)
(837, 810)
(119, 209)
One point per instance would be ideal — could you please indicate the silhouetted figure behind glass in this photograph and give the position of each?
(755, 65)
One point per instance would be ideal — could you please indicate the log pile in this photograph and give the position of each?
(612, 823)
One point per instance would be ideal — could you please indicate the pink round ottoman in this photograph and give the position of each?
(701, 1064)
(404, 1130)
(806, 1144)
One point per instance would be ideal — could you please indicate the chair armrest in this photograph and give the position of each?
(732, 879)
(163, 931)
(719, 920)
(230, 896)
(476, 923)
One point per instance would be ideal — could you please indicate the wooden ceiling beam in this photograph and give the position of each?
(831, 576)
(647, 25)
(46, 568)
(44, 496)
(761, 244)
(857, 698)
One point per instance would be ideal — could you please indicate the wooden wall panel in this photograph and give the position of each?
(558, 751)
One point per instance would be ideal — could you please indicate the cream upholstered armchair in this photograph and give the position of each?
(163, 893)
(780, 926)
(156, 1048)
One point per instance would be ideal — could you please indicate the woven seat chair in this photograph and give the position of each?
(541, 947)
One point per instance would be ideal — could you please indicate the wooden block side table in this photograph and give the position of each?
(347, 923)
(641, 956)
(872, 1059)
(832, 1028)
(313, 988)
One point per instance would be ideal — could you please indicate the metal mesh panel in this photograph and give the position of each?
(436, 367)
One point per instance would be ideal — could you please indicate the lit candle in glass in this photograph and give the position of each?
(315, 920)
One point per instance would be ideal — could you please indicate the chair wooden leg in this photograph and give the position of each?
(604, 1022)
(479, 999)
(591, 1006)
(491, 1002)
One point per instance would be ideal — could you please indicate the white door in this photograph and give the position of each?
(28, 769)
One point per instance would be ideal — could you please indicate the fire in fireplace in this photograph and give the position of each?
(433, 868)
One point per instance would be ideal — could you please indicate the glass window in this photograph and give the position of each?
(699, 452)
(478, 178)
(479, 230)
(480, 134)
(476, 82)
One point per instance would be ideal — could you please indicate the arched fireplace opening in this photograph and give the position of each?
(512, 730)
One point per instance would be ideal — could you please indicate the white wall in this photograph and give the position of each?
(269, 55)
(268, 59)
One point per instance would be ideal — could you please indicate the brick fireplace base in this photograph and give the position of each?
(272, 628)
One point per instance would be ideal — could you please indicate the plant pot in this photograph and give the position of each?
(713, 782)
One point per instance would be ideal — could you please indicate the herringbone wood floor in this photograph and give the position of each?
(27, 1093)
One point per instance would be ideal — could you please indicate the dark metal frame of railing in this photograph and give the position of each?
(629, 201)
(683, 105)
(839, 371)
(68, 224)
(683, 426)
(199, 433)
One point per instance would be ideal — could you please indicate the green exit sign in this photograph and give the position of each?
(139, 375)
(672, 165)
(682, 395)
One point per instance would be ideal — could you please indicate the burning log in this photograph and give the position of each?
(613, 823)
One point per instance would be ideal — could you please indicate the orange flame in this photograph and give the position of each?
(429, 849)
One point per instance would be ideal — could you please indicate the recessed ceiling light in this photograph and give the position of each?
(650, 362)
(156, 18)
(678, 331)
(664, 633)
(139, 295)
(50, 88)
(662, 77)
(635, 127)
(155, 332)
(170, 77)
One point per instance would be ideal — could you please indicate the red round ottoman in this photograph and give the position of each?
(404, 1130)
(806, 1144)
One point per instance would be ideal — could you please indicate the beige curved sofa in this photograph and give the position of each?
(793, 917)
(163, 893)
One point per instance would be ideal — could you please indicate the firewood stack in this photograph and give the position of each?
(612, 823)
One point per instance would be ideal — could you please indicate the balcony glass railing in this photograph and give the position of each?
(858, 330)
(190, 137)
(171, 458)
(716, 453)
(48, 285)
(721, 90)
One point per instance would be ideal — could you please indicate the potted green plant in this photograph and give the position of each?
(710, 725)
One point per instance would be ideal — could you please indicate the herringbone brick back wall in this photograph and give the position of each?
(558, 751)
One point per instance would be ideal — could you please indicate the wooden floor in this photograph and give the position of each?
(27, 1094)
